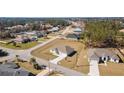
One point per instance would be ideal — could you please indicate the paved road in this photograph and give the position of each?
(26, 55)
(11, 52)
(59, 68)
(68, 30)
(53, 66)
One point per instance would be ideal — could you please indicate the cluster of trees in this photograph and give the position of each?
(103, 33)
(3, 53)
(56, 22)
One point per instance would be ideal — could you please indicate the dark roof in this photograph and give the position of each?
(21, 72)
(74, 36)
(10, 65)
(9, 69)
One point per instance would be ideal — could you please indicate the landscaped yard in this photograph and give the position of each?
(112, 69)
(44, 51)
(42, 39)
(83, 65)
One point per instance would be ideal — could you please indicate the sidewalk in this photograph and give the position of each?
(56, 60)
(45, 72)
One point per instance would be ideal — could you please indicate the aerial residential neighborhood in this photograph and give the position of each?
(62, 46)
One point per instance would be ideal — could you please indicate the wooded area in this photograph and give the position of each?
(103, 33)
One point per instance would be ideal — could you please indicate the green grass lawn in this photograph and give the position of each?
(41, 39)
(23, 45)
(20, 45)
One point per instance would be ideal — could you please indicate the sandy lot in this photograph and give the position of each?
(112, 69)
(122, 30)
(77, 62)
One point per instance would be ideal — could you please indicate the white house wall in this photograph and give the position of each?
(54, 52)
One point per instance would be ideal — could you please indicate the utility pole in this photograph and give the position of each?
(76, 65)
(49, 64)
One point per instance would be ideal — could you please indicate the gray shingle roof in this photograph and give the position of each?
(65, 49)
(10, 65)
(9, 69)
(77, 30)
(100, 52)
(74, 36)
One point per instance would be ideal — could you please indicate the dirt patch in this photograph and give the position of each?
(79, 61)
(112, 69)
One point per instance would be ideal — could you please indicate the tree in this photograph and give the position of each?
(17, 58)
(34, 63)
(14, 43)
(32, 60)
(99, 33)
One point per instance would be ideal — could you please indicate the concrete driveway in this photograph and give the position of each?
(94, 70)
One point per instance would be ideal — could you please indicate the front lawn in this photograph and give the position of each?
(112, 69)
(20, 45)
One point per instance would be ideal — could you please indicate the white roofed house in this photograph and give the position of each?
(54, 29)
(31, 35)
(78, 30)
(66, 50)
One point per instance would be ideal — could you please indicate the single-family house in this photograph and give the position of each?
(54, 29)
(31, 35)
(78, 30)
(73, 37)
(66, 50)
(22, 39)
(41, 34)
(102, 55)
(11, 69)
